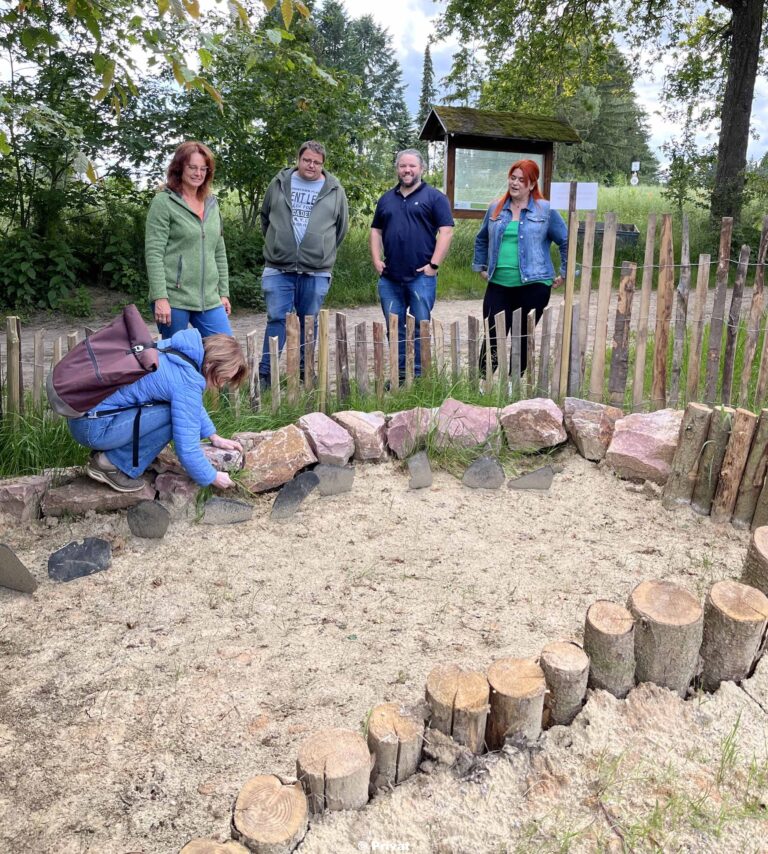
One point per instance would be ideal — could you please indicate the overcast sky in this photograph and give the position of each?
(411, 22)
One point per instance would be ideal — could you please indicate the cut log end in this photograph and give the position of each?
(610, 618)
(269, 812)
(334, 768)
(395, 737)
(458, 700)
(665, 603)
(518, 687)
(566, 670)
(610, 643)
(739, 602)
(519, 678)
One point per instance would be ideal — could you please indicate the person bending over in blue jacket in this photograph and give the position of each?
(512, 254)
(170, 401)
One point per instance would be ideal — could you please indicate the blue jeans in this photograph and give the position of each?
(398, 298)
(113, 434)
(211, 322)
(284, 293)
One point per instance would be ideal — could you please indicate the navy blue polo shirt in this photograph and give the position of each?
(408, 226)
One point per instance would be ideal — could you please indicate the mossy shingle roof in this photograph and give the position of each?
(466, 120)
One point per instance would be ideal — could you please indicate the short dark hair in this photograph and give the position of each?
(312, 145)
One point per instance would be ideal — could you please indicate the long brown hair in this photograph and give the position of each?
(180, 159)
(530, 170)
(224, 361)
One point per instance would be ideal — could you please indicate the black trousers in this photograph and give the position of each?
(498, 298)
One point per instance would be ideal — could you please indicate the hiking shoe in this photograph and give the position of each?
(101, 469)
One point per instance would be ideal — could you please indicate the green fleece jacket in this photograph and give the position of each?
(327, 226)
(186, 258)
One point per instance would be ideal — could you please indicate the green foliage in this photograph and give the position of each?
(36, 273)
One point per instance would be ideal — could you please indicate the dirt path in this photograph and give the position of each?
(136, 702)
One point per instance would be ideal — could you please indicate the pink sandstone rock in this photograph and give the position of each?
(330, 442)
(277, 459)
(176, 491)
(531, 425)
(590, 426)
(466, 426)
(250, 440)
(20, 496)
(368, 430)
(167, 461)
(407, 431)
(83, 494)
(644, 444)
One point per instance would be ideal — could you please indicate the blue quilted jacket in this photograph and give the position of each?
(176, 382)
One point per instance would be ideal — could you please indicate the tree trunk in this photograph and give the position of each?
(334, 767)
(681, 482)
(609, 641)
(743, 56)
(566, 669)
(755, 572)
(517, 701)
(458, 700)
(394, 738)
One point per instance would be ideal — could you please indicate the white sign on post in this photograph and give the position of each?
(586, 196)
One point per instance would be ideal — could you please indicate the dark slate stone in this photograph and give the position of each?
(149, 519)
(420, 471)
(334, 479)
(226, 511)
(76, 560)
(13, 574)
(484, 473)
(539, 479)
(293, 493)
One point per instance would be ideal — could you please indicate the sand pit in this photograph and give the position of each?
(135, 703)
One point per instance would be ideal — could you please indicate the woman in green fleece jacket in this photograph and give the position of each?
(184, 243)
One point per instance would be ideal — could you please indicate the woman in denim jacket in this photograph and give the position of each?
(512, 254)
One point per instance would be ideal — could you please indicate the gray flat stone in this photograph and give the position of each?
(334, 479)
(293, 494)
(13, 574)
(226, 511)
(149, 520)
(420, 471)
(77, 560)
(538, 479)
(484, 473)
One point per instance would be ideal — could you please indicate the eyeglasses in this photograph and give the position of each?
(201, 170)
(307, 162)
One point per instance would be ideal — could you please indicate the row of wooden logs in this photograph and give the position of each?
(720, 465)
(663, 635)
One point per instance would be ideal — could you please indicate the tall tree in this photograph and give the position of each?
(545, 37)
(428, 91)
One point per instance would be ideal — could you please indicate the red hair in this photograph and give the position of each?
(180, 159)
(530, 170)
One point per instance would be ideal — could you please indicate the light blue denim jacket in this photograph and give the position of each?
(540, 227)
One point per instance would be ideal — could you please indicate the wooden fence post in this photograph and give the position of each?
(322, 360)
(13, 349)
(437, 333)
(425, 346)
(488, 356)
(502, 356)
(718, 312)
(574, 369)
(530, 367)
(473, 348)
(361, 359)
(410, 349)
(558, 357)
(732, 331)
(597, 376)
(38, 370)
(515, 354)
(755, 314)
(542, 387)
(378, 358)
(681, 314)
(617, 381)
(292, 355)
(638, 386)
(664, 290)
(310, 378)
(394, 353)
(570, 278)
(697, 329)
(585, 290)
(274, 372)
(455, 352)
(252, 355)
(342, 358)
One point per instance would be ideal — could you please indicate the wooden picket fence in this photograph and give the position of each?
(562, 358)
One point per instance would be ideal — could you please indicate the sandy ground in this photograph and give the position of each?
(135, 703)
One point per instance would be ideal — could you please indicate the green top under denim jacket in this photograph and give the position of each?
(186, 257)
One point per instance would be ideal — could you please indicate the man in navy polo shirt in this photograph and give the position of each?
(412, 229)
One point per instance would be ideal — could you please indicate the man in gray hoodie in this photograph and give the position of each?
(304, 218)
